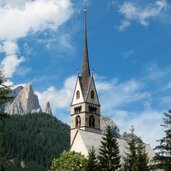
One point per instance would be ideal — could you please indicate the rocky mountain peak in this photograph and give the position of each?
(25, 101)
(48, 109)
(105, 121)
(28, 88)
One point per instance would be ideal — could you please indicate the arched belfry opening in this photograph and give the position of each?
(92, 121)
(78, 94)
(78, 121)
(92, 94)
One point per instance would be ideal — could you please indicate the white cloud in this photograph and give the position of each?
(104, 85)
(128, 53)
(9, 83)
(124, 24)
(14, 3)
(9, 65)
(65, 41)
(119, 94)
(19, 18)
(155, 73)
(59, 99)
(166, 100)
(9, 47)
(133, 12)
(146, 124)
(168, 85)
(11, 62)
(34, 16)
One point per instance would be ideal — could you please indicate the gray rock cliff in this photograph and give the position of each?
(105, 121)
(48, 109)
(25, 101)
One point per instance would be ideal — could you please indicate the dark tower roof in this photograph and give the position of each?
(85, 73)
(85, 64)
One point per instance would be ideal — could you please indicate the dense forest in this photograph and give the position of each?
(32, 141)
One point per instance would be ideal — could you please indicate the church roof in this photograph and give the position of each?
(91, 139)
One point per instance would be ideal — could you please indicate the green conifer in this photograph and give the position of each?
(4, 90)
(163, 157)
(92, 164)
(143, 161)
(136, 159)
(109, 157)
(4, 97)
(131, 159)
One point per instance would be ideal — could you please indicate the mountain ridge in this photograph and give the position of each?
(25, 101)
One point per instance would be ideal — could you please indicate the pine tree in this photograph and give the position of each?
(4, 90)
(143, 161)
(92, 164)
(136, 159)
(131, 159)
(4, 97)
(163, 157)
(109, 158)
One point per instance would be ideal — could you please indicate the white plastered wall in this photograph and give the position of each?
(79, 146)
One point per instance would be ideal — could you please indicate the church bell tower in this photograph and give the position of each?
(85, 106)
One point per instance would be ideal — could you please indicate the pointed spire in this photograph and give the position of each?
(85, 63)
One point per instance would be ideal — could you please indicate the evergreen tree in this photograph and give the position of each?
(4, 91)
(109, 158)
(163, 157)
(131, 159)
(136, 159)
(92, 164)
(4, 97)
(143, 161)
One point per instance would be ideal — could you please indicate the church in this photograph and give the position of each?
(85, 111)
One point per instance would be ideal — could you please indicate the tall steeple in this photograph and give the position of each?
(85, 73)
(85, 106)
(85, 63)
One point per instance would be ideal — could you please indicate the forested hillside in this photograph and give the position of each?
(32, 141)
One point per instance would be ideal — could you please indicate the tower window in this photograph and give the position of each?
(78, 121)
(77, 94)
(91, 121)
(92, 109)
(92, 94)
(77, 109)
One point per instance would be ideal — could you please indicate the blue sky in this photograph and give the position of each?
(129, 43)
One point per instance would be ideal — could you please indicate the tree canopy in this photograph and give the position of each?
(69, 161)
(33, 140)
